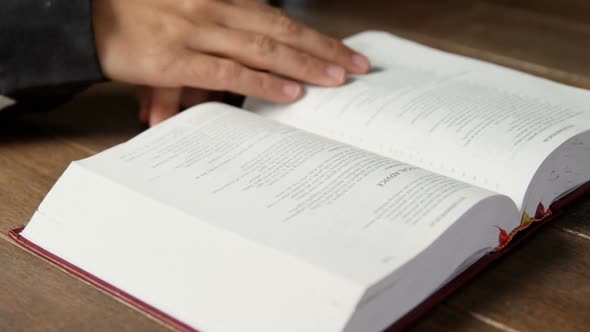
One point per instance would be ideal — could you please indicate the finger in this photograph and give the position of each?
(262, 52)
(143, 95)
(191, 97)
(165, 103)
(279, 26)
(209, 72)
(252, 4)
(261, 6)
(144, 116)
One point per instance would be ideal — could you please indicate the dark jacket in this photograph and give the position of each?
(47, 52)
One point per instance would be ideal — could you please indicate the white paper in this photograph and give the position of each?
(466, 119)
(5, 102)
(229, 221)
(300, 193)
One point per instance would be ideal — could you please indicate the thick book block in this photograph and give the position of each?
(400, 325)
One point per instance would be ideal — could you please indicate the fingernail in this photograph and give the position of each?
(361, 62)
(292, 90)
(336, 72)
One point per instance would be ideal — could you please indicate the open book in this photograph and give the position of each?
(341, 212)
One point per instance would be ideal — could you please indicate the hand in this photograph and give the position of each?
(159, 104)
(240, 46)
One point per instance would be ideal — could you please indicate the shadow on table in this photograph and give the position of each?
(102, 116)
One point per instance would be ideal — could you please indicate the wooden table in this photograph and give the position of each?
(543, 286)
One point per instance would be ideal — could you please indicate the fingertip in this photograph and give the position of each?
(337, 74)
(292, 91)
(361, 63)
(165, 103)
(155, 118)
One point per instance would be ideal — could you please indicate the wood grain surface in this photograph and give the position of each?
(543, 286)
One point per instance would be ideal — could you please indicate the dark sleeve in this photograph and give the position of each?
(47, 51)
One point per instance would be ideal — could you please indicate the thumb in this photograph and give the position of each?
(165, 102)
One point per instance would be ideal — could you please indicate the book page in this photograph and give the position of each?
(230, 221)
(5, 102)
(477, 122)
(302, 194)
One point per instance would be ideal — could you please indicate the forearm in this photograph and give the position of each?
(47, 50)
